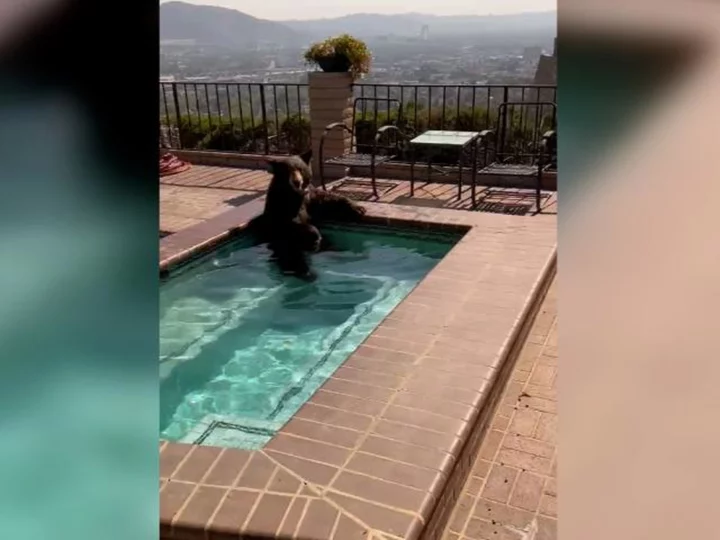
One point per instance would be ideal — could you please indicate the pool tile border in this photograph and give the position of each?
(381, 450)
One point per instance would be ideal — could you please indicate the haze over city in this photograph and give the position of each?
(293, 9)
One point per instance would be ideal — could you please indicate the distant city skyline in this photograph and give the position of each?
(294, 9)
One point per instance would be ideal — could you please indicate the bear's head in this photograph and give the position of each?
(291, 173)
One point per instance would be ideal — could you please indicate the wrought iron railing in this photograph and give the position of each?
(274, 118)
(270, 118)
(419, 107)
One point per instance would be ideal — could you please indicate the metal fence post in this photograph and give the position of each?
(176, 103)
(263, 111)
(503, 126)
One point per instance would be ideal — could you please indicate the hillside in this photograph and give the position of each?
(209, 25)
(368, 25)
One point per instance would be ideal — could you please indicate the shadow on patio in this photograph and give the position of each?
(498, 200)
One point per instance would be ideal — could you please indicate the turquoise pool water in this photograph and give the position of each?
(242, 347)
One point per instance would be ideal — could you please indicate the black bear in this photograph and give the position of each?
(293, 208)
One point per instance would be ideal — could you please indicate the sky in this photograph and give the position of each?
(316, 9)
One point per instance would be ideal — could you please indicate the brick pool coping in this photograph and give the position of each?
(381, 450)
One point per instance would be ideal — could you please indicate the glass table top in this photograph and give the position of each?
(445, 138)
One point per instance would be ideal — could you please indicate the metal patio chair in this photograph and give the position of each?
(366, 154)
(521, 158)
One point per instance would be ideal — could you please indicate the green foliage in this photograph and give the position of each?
(353, 49)
(417, 121)
(220, 134)
(192, 131)
(229, 137)
(292, 134)
(519, 135)
(296, 131)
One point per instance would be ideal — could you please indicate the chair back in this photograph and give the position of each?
(369, 115)
(519, 131)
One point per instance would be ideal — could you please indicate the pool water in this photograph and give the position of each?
(242, 346)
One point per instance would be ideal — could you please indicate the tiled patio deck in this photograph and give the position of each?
(511, 492)
(383, 448)
(204, 192)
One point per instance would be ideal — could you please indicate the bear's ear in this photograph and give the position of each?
(306, 156)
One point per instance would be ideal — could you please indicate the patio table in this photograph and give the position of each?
(438, 139)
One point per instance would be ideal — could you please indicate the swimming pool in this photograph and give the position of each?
(242, 347)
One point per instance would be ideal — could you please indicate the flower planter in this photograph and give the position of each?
(334, 64)
(340, 54)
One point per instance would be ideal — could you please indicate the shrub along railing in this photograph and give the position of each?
(273, 118)
(417, 108)
(240, 117)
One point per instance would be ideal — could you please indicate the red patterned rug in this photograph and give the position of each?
(169, 164)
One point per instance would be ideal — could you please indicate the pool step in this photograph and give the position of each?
(232, 431)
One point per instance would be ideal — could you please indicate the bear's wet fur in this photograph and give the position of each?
(292, 210)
